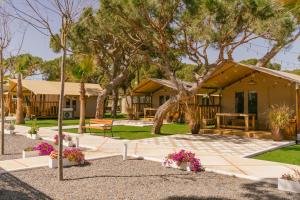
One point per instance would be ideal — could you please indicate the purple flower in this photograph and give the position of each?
(44, 148)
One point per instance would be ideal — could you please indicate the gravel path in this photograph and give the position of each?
(14, 145)
(112, 178)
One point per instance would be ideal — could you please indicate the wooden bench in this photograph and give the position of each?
(100, 124)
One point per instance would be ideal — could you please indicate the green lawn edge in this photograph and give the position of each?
(288, 155)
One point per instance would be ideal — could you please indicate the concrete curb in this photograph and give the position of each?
(252, 178)
(269, 149)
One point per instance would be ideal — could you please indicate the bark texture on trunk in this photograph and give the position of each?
(82, 108)
(161, 114)
(19, 111)
(2, 105)
(107, 90)
(100, 110)
(269, 55)
(63, 41)
(114, 105)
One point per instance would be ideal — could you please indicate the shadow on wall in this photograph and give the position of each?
(14, 189)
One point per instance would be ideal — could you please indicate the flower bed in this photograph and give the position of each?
(290, 182)
(41, 149)
(67, 140)
(71, 156)
(34, 136)
(29, 152)
(184, 160)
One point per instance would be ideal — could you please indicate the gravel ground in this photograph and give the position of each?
(15, 144)
(112, 178)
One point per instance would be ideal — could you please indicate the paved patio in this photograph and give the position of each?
(222, 154)
(215, 144)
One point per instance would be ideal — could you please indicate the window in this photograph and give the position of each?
(74, 104)
(68, 103)
(252, 103)
(239, 102)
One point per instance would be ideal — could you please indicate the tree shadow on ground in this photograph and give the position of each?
(195, 198)
(264, 190)
(12, 188)
(165, 176)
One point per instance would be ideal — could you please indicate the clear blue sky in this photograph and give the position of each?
(38, 45)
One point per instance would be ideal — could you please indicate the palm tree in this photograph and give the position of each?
(82, 71)
(23, 65)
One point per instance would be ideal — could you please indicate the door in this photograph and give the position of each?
(239, 102)
(252, 103)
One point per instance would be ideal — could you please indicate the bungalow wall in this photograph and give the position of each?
(159, 97)
(270, 91)
(74, 101)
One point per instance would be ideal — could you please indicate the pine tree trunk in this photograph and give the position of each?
(114, 105)
(19, 111)
(108, 89)
(2, 105)
(161, 114)
(82, 108)
(100, 110)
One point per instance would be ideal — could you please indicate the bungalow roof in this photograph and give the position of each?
(232, 72)
(53, 87)
(151, 85)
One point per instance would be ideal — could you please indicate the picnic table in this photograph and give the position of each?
(247, 119)
(149, 111)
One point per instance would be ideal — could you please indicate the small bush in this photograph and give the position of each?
(279, 118)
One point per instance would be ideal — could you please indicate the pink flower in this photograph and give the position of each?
(56, 138)
(44, 148)
(74, 154)
(184, 156)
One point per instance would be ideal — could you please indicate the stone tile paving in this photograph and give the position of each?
(215, 144)
(221, 154)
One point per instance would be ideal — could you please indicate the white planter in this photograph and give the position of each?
(27, 154)
(287, 185)
(54, 163)
(33, 136)
(182, 166)
(11, 132)
(68, 143)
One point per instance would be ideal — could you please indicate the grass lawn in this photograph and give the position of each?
(290, 155)
(66, 122)
(134, 133)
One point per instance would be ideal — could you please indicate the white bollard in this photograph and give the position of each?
(125, 151)
(77, 142)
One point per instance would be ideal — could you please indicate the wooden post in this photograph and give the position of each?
(253, 122)
(247, 123)
(218, 121)
(297, 111)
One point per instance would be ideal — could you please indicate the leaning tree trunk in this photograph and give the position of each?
(114, 105)
(82, 108)
(19, 111)
(100, 110)
(2, 104)
(161, 113)
(108, 89)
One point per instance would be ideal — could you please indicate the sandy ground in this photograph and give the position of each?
(112, 178)
(14, 145)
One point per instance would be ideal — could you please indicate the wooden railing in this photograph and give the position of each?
(38, 109)
(209, 111)
(138, 108)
